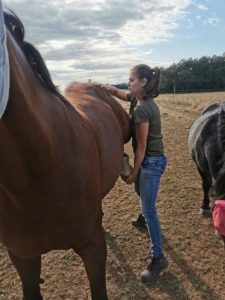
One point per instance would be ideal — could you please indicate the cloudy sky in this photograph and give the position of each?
(102, 39)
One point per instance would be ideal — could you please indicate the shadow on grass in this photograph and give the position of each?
(128, 283)
(199, 285)
(122, 274)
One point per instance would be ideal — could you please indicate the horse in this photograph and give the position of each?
(206, 148)
(59, 156)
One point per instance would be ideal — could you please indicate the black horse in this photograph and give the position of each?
(206, 145)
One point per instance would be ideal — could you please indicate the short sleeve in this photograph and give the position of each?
(141, 115)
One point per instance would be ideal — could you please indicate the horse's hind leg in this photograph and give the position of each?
(206, 185)
(93, 255)
(29, 271)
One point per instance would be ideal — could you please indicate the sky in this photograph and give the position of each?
(101, 40)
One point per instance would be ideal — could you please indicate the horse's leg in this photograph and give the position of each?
(93, 255)
(29, 271)
(206, 185)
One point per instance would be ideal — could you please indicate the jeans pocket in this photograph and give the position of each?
(155, 165)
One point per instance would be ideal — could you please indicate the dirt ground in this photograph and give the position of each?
(196, 257)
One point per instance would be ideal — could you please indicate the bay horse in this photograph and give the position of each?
(59, 157)
(206, 145)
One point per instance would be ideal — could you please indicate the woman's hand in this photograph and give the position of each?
(131, 178)
(121, 94)
(124, 178)
(111, 89)
(99, 84)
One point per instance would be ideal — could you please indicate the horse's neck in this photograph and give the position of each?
(26, 115)
(23, 82)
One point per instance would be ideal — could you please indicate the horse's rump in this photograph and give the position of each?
(204, 144)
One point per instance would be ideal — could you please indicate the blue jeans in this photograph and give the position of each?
(146, 186)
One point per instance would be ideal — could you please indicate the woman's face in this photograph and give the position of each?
(136, 85)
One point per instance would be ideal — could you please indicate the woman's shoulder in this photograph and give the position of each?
(151, 104)
(146, 104)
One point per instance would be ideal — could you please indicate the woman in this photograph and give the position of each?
(149, 158)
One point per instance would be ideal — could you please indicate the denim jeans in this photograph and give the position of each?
(146, 186)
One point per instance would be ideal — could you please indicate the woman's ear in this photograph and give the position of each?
(143, 81)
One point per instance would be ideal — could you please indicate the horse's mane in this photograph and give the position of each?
(16, 28)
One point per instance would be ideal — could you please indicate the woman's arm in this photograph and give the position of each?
(141, 138)
(114, 91)
(121, 94)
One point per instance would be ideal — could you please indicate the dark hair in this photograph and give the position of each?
(151, 89)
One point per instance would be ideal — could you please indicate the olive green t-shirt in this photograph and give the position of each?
(147, 111)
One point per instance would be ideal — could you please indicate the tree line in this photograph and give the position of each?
(193, 75)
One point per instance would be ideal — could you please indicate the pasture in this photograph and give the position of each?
(196, 257)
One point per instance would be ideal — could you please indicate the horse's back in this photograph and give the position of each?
(204, 125)
(212, 107)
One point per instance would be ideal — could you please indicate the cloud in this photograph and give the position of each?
(211, 21)
(202, 7)
(100, 38)
(190, 24)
